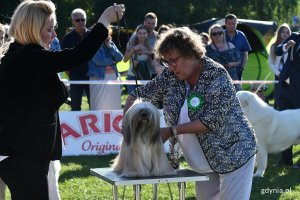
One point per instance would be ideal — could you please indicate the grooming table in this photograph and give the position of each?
(182, 176)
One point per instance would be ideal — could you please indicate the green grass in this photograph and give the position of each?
(76, 182)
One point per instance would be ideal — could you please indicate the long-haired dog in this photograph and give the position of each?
(275, 130)
(142, 152)
(53, 176)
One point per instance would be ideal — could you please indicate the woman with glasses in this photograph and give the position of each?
(203, 116)
(223, 52)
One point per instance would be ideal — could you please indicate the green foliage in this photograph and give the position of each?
(76, 182)
(168, 11)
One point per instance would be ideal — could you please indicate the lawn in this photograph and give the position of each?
(76, 183)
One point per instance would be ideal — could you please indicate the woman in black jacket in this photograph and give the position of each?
(31, 94)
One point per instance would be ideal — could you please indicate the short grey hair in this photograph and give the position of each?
(78, 11)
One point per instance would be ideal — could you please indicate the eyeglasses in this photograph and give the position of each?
(171, 62)
(78, 20)
(217, 33)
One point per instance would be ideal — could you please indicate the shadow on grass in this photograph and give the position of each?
(277, 181)
(79, 166)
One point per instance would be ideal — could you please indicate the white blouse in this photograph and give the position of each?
(190, 145)
(275, 64)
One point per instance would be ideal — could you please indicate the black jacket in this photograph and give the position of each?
(291, 68)
(70, 40)
(31, 94)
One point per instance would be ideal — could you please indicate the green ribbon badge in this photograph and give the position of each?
(195, 101)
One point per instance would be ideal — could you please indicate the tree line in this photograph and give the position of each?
(168, 11)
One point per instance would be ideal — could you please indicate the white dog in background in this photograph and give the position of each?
(142, 152)
(53, 176)
(275, 130)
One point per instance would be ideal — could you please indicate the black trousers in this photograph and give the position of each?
(288, 98)
(26, 178)
(76, 93)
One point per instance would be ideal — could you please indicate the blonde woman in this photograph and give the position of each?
(275, 62)
(223, 52)
(30, 133)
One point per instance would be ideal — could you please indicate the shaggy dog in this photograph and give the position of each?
(275, 130)
(53, 176)
(142, 152)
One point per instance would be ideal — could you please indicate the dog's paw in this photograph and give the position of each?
(258, 175)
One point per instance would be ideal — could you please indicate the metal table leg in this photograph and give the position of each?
(115, 192)
(154, 195)
(137, 189)
(181, 190)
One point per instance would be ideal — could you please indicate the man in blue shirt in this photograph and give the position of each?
(239, 40)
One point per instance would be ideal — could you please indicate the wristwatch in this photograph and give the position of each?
(173, 131)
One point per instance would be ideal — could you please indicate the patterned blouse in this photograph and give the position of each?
(223, 57)
(230, 143)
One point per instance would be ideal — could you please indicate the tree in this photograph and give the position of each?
(168, 11)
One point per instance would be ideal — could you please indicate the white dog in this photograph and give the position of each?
(275, 130)
(142, 152)
(53, 176)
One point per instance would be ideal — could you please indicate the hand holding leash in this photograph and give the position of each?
(112, 14)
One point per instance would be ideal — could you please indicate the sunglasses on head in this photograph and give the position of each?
(78, 20)
(217, 33)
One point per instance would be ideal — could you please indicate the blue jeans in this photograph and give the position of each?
(233, 72)
(239, 73)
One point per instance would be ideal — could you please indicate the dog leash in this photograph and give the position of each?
(119, 30)
(292, 54)
(262, 83)
(131, 59)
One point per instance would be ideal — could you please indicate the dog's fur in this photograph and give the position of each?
(142, 152)
(53, 176)
(275, 130)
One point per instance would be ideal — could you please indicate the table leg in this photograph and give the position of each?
(154, 195)
(115, 192)
(137, 190)
(181, 190)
